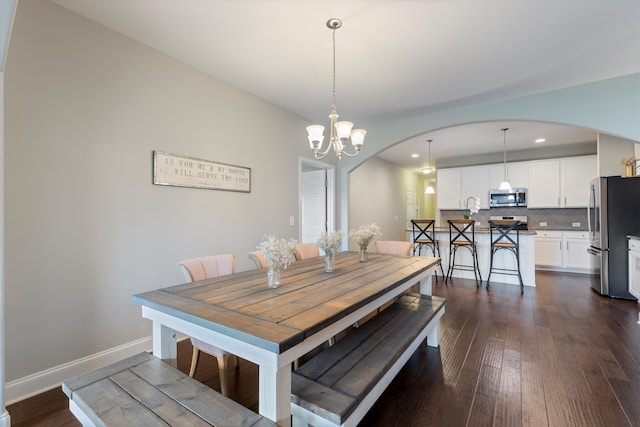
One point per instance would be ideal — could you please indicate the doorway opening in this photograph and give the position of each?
(316, 188)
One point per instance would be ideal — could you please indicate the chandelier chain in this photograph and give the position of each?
(334, 66)
(504, 150)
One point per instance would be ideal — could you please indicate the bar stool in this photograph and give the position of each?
(423, 235)
(504, 231)
(463, 228)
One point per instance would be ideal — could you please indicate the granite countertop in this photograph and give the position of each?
(485, 229)
(480, 230)
(559, 229)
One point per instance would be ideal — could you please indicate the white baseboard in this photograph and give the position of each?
(40, 382)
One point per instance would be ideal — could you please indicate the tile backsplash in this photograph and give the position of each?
(556, 219)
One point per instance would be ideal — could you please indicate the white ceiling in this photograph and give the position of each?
(393, 57)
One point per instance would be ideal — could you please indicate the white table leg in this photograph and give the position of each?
(433, 337)
(425, 284)
(164, 344)
(275, 394)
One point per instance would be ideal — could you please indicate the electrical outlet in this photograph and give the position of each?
(575, 224)
(543, 224)
(292, 220)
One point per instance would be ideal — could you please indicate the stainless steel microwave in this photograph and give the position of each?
(507, 198)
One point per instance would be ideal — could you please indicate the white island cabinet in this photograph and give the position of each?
(503, 258)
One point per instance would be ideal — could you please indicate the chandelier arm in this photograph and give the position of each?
(346, 153)
(321, 152)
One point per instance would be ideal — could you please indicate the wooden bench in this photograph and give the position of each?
(142, 390)
(338, 386)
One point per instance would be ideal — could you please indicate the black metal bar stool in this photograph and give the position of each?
(464, 237)
(424, 235)
(504, 232)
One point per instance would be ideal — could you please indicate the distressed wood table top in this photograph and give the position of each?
(241, 305)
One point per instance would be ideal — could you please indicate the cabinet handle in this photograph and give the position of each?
(565, 200)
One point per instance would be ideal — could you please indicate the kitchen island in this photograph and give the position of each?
(502, 258)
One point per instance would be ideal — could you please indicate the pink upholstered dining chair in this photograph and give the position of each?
(200, 269)
(258, 259)
(306, 251)
(393, 247)
(390, 247)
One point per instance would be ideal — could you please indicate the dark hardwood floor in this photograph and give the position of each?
(558, 355)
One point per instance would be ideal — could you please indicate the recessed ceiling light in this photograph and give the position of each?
(415, 155)
(540, 140)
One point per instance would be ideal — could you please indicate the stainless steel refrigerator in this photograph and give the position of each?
(613, 212)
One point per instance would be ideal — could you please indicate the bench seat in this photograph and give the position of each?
(339, 385)
(142, 390)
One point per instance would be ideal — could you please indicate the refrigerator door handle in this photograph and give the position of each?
(590, 206)
(596, 252)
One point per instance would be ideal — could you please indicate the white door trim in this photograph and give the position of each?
(331, 191)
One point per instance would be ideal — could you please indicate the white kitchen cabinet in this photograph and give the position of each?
(576, 257)
(634, 266)
(475, 183)
(544, 184)
(518, 174)
(448, 193)
(553, 183)
(564, 250)
(576, 174)
(560, 183)
(549, 249)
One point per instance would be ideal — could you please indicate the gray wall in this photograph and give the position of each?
(378, 192)
(85, 228)
(610, 150)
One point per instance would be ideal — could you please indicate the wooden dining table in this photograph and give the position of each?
(273, 327)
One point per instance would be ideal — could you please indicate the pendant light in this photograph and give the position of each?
(429, 188)
(504, 185)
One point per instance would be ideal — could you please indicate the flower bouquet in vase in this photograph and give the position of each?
(475, 207)
(363, 236)
(279, 253)
(329, 243)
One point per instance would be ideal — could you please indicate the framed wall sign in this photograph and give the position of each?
(183, 171)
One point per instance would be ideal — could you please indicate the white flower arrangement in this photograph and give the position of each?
(278, 252)
(364, 234)
(475, 208)
(330, 242)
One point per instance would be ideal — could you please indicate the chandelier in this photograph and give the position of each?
(341, 133)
